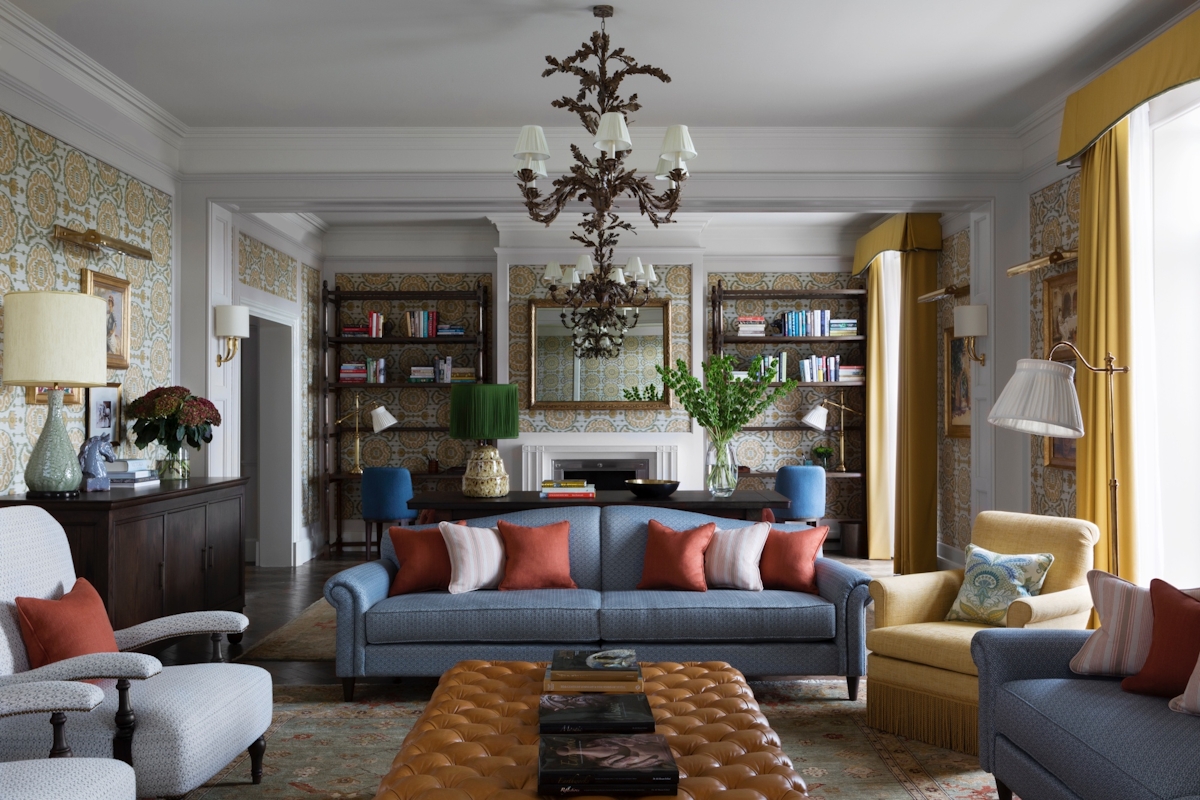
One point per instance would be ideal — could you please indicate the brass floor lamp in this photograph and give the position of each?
(381, 418)
(818, 418)
(1041, 399)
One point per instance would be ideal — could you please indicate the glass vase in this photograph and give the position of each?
(722, 469)
(174, 466)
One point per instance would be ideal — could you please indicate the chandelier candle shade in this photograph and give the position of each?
(600, 301)
(483, 411)
(54, 340)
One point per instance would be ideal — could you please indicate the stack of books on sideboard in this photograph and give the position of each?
(132, 473)
(568, 490)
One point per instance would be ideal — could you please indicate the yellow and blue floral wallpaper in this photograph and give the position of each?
(263, 267)
(954, 454)
(44, 182)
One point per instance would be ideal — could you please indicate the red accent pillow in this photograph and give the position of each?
(675, 559)
(76, 625)
(789, 559)
(767, 515)
(424, 560)
(1174, 643)
(536, 558)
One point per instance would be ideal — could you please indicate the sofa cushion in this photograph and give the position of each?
(584, 540)
(1175, 645)
(536, 558)
(675, 559)
(1100, 741)
(946, 645)
(524, 615)
(725, 615)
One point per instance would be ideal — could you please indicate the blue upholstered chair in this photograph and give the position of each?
(385, 495)
(805, 487)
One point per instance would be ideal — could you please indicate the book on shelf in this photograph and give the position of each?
(138, 484)
(421, 324)
(610, 687)
(131, 474)
(355, 330)
(820, 369)
(604, 759)
(849, 373)
(572, 665)
(576, 483)
(129, 465)
(462, 375)
(843, 327)
(374, 324)
(595, 713)
(570, 494)
(807, 323)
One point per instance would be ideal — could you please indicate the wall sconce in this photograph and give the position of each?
(92, 239)
(969, 322)
(233, 324)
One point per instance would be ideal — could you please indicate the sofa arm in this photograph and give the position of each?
(186, 624)
(93, 666)
(847, 589)
(48, 697)
(352, 592)
(920, 597)
(1055, 610)
(1002, 655)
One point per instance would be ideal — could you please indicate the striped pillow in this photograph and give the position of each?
(476, 557)
(731, 560)
(1189, 701)
(1120, 646)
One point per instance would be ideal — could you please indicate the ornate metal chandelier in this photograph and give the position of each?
(603, 300)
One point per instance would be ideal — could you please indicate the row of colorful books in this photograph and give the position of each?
(829, 368)
(371, 370)
(817, 322)
(568, 490)
(774, 366)
(751, 325)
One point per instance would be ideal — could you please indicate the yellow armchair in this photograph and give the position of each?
(921, 681)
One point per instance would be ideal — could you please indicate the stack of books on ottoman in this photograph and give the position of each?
(601, 743)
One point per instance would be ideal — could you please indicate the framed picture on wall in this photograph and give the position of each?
(956, 386)
(1060, 314)
(1058, 452)
(115, 293)
(40, 396)
(104, 412)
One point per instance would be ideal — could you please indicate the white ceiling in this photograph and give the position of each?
(761, 63)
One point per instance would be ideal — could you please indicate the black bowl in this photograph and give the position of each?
(650, 489)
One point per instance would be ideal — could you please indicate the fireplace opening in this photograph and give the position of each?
(605, 474)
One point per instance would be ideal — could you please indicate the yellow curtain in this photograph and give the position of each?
(1105, 326)
(879, 494)
(898, 232)
(1169, 60)
(916, 444)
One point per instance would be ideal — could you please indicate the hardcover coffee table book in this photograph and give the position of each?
(606, 764)
(595, 713)
(595, 665)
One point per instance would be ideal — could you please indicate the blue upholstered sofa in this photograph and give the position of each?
(1046, 733)
(761, 633)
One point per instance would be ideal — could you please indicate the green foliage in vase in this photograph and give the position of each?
(723, 404)
(642, 394)
(822, 452)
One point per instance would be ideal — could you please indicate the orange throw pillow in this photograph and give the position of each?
(536, 558)
(424, 560)
(789, 559)
(675, 559)
(76, 625)
(1174, 643)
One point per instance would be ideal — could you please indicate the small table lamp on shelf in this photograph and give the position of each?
(483, 411)
(818, 419)
(55, 340)
(381, 419)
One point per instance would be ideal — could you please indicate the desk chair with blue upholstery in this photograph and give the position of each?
(805, 487)
(385, 495)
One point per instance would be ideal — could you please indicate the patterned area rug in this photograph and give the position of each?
(312, 636)
(319, 747)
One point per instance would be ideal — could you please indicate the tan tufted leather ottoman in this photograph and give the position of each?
(477, 739)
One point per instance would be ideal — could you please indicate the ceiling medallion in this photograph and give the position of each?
(603, 300)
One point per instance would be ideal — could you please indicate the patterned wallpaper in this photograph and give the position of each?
(310, 337)
(766, 451)
(1053, 222)
(44, 182)
(525, 285)
(265, 268)
(954, 454)
(599, 379)
(417, 406)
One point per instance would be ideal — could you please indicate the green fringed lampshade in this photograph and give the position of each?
(484, 411)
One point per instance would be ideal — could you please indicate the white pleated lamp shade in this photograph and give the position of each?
(663, 171)
(817, 418)
(538, 167)
(381, 419)
(650, 276)
(634, 269)
(1040, 398)
(553, 272)
(612, 134)
(584, 265)
(618, 275)
(970, 321)
(531, 144)
(677, 145)
(570, 276)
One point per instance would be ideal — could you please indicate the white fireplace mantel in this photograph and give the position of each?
(537, 459)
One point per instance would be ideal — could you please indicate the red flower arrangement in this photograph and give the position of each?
(172, 415)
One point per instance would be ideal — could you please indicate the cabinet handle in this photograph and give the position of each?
(162, 575)
(210, 557)
(203, 561)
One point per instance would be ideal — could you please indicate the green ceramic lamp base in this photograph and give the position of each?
(53, 470)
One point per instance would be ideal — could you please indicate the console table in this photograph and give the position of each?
(742, 504)
(179, 546)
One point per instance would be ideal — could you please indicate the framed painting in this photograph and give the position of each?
(115, 293)
(104, 412)
(1058, 452)
(40, 396)
(1060, 314)
(956, 386)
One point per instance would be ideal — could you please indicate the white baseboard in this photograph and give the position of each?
(309, 546)
(950, 557)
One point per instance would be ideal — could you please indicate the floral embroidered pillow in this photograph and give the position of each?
(994, 580)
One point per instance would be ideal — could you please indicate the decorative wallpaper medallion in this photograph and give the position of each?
(954, 454)
(44, 182)
(263, 267)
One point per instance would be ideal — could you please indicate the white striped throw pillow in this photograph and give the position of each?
(1189, 701)
(731, 560)
(476, 557)
(1120, 646)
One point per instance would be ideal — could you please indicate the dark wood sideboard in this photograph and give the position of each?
(179, 546)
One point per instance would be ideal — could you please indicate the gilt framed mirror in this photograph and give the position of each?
(559, 378)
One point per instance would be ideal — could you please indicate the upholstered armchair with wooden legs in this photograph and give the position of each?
(921, 680)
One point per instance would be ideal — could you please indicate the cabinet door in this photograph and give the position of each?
(137, 592)
(186, 559)
(226, 559)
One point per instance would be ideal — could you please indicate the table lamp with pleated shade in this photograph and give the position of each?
(1040, 398)
(483, 411)
(54, 340)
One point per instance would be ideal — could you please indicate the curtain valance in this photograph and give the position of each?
(903, 232)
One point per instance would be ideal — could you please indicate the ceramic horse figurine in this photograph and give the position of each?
(92, 455)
